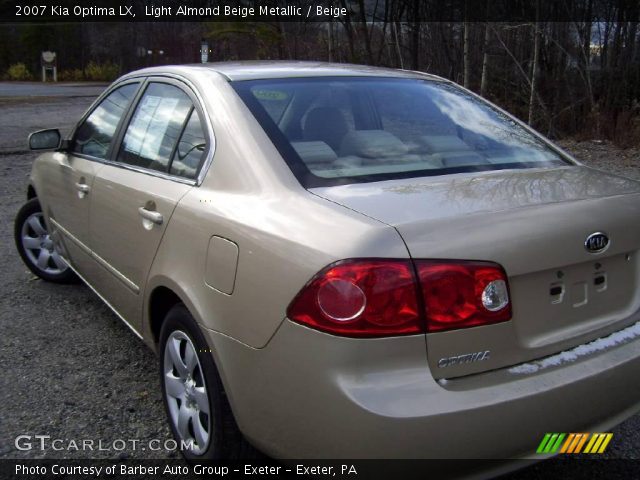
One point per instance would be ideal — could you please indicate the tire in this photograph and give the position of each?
(36, 247)
(192, 387)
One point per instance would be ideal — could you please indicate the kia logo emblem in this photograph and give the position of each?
(596, 242)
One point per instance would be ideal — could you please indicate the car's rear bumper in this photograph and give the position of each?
(312, 395)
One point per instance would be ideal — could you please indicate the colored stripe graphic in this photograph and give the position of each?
(598, 443)
(565, 447)
(550, 443)
(589, 447)
(574, 443)
(556, 445)
(605, 443)
(543, 443)
(576, 440)
(581, 443)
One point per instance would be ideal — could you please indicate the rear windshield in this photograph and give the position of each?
(337, 130)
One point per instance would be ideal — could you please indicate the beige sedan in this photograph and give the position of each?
(346, 262)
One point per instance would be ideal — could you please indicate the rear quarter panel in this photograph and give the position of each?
(282, 243)
(284, 233)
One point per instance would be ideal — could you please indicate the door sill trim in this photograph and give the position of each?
(127, 283)
(106, 302)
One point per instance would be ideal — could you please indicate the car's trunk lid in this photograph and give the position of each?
(534, 223)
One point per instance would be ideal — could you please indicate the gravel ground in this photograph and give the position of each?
(77, 372)
(72, 370)
(605, 156)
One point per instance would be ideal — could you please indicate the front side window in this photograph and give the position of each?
(338, 130)
(155, 128)
(95, 134)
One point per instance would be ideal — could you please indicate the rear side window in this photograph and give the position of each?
(158, 130)
(95, 134)
(191, 148)
(328, 116)
(273, 101)
(341, 130)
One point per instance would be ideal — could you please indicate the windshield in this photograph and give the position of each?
(340, 130)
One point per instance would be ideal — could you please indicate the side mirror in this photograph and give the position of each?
(45, 139)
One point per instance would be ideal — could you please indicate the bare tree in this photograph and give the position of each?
(534, 66)
(484, 81)
(466, 56)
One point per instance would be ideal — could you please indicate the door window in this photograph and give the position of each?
(95, 134)
(191, 149)
(155, 127)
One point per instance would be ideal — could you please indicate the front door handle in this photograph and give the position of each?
(83, 187)
(155, 217)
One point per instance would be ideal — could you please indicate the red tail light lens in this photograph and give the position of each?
(463, 294)
(360, 298)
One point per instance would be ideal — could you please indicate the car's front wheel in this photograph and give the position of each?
(36, 248)
(197, 407)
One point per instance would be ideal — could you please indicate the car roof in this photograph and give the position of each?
(255, 70)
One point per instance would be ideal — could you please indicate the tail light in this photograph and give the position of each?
(361, 298)
(378, 298)
(463, 294)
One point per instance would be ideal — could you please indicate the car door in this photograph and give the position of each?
(134, 195)
(70, 176)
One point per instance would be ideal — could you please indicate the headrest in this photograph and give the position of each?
(314, 152)
(327, 124)
(443, 143)
(372, 144)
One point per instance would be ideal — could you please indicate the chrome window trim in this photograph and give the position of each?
(144, 80)
(147, 171)
(115, 85)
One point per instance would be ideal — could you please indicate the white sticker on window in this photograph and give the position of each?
(150, 125)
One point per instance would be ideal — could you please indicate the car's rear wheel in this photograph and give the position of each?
(36, 248)
(197, 407)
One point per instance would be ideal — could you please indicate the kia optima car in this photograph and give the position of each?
(338, 261)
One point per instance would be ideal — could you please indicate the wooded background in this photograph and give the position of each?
(577, 77)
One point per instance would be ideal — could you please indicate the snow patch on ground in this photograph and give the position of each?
(604, 343)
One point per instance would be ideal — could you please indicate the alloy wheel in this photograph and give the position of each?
(186, 392)
(39, 247)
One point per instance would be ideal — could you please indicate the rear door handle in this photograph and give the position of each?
(155, 217)
(83, 187)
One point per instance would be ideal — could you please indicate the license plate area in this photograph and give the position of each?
(555, 305)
